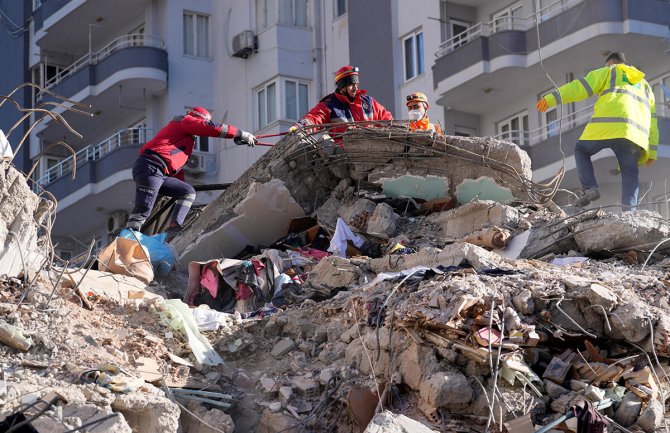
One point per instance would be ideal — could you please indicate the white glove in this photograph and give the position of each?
(244, 137)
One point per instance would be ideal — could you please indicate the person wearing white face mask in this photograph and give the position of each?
(417, 106)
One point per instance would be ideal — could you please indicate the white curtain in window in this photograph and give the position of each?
(203, 35)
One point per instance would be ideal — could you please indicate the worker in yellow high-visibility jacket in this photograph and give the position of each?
(624, 120)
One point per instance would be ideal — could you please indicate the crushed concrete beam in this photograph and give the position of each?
(641, 229)
(464, 220)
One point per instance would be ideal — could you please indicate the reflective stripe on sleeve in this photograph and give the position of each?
(588, 89)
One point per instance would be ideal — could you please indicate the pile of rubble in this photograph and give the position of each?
(399, 283)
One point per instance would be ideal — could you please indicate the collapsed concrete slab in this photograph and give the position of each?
(634, 230)
(21, 214)
(301, 169)
(469, 218)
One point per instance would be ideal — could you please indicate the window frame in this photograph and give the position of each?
(507, 11)
(337, 13)
(523, 134)
(463, 40)
(418, 57)
(299, 111)
(269, 20)
(662, 100)
(264, 88)
(194, 17)
(294, 17)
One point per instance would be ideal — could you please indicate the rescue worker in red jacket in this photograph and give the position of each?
(158, 169)
(417, 107)
(347, 104)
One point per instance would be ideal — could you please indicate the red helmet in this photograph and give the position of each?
(346, 75)
(200, 112)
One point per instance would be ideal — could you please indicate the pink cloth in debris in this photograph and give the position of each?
(243, 291)
(312, 252)
(258, 266)
(209, 279)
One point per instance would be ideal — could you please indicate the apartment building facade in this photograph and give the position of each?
(261, 64)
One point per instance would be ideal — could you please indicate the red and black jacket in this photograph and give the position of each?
(173, 144)
(336, 108)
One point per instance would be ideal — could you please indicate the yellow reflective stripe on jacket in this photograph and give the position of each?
(625, 107)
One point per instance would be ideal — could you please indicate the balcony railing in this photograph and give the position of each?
(503, 24)
(570, 121)
(134, 40)
(124, 137)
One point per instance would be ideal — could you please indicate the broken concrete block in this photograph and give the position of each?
(553, 390)
(447, 389)
(637, 229)
(416, 363)
(357, 214)
(325, 375)
(148, 412)
(285, 394)
(651, 417)
(382, 222)
(282, 347)
(523, 302)
(268, 384)
(600, 295)
(332, 352)
(471, 217)
(451, 255)
(275, 406)
(633, 326)
(389, 422)
(554, 238)
(306, 387)
(628, 410)
(326, 215)
(334, 272)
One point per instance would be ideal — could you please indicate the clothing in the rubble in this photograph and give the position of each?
(260, 313)
(338, 243)
(589, 420)
(158, 169)
(624, 120)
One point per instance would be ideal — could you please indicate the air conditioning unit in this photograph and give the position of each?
(117, 221)
(244, 43)
(199, 163)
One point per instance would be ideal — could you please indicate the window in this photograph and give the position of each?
(266, 98)
(293, 12)
(413, 55)
(266, 14)
(514, 129)
(661, 88)
(551, 122)
(296, 104)
(196, 35)
(340, 7)
(459, 31)
(508, 18)
(50, 163)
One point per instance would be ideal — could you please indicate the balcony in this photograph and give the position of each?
(505, 50)
(114, 80)
(70, 23)
(103, 181)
